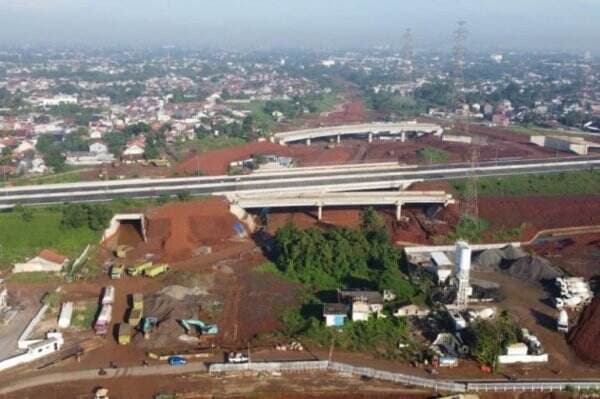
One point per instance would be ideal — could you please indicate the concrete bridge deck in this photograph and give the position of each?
(320, 200)
(369, 129)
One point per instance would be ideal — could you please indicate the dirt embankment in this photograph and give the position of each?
(177, 230)
(585, 336)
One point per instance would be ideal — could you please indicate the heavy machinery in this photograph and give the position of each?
(199, 326)
(101, 393)
(148, 324)
(139, 269)
(116, 271)
(156, 270)
(122, 250)
(124, 334)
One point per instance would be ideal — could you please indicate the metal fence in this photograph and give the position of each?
(406, 379)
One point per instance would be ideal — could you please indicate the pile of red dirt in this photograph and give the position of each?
(177, 229)
(586, 334)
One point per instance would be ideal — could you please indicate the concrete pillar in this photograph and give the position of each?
(307, 141)
(370, 137)
(398, 210)
(319, 211)
(403, 137)
(338, 139)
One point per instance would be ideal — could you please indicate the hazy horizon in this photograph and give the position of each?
(260, 24)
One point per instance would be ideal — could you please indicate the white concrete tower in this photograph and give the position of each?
(463, 271)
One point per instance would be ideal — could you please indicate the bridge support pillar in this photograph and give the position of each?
(403, 137)
(370, 137)
(307, 141)
(319, 211)
(398, 211)
(338, 139)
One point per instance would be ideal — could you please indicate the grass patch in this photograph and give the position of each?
(211, 142)
(507, 234)
(577, 182)
(433, 155)
(35, 278)
(469, 229)
(20, 239)
(70, 176)
(83, 316)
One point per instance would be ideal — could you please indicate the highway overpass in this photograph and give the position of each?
(352, 179)
(365, 129)
(320, 200)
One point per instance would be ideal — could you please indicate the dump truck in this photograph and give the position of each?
(103, 320)
(156, 270)
(116, 271)
(108, 297)
(135, 316)
(139, 269)
(124, 334)
(137, 301)
(122, 250)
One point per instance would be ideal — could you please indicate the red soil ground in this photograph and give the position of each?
(177, 229)
(578, 254)
(540, 212)
(586, 334)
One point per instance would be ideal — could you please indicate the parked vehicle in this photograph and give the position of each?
(156, 271)
(177, 361)
(135, 316)
(137, 301)
(108, 296)
(139, 269)
(237, 357)
(103, 320)
(116, 272)
(124, 337)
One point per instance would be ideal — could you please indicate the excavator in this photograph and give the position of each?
(191, 325)
(148, 324)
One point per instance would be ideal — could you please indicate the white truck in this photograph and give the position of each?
(103, 321)
(108, 296)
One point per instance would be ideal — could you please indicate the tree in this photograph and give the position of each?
(98, 216)
(55, 159)
(44, 143)
(74, 216)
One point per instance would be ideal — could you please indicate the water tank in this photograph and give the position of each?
(463, 259)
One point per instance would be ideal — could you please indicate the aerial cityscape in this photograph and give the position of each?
(299, 200)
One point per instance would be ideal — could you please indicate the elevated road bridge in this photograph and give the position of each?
(320, 200)
(369, 130)
(320, 180)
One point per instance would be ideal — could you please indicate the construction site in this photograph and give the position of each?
(190, 289)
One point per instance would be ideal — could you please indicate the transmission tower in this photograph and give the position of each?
(462, 121)
(586, 87)
(407, 53)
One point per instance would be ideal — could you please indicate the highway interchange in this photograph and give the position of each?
(310, 179)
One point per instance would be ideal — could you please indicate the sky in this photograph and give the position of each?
(546, 25)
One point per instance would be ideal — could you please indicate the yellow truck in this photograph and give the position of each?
(124, 337)
(156, 270)
(135, 316)
(139, 269)
(137, 301)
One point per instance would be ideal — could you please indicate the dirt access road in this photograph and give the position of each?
(192, 381)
